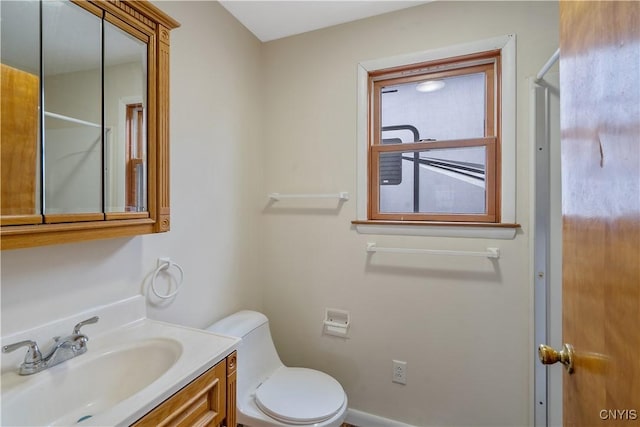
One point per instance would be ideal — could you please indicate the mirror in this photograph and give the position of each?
(85, 119)
(88, 168)
(72, 87)
(20, 139)
(125, 109)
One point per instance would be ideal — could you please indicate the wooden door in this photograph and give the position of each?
(600, 130)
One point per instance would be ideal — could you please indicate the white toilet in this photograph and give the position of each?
(271, 394)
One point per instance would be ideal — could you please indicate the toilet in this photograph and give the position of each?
(271, 394)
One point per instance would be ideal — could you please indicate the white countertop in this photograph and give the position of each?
(190, 352)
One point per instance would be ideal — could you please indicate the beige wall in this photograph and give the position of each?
(216, 189)
(462, 324)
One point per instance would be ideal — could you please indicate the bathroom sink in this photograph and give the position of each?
(70, 393)
(132, 364)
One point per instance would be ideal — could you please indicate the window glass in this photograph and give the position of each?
(440, 109)
(433, 181)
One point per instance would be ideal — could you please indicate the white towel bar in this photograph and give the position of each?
(71, 119)
(489, 253)
(343, 195)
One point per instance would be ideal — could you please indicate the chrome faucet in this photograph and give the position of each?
(62, 349)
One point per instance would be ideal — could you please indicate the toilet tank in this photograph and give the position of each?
(257, 355)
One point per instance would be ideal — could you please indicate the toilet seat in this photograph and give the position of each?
(300, 396)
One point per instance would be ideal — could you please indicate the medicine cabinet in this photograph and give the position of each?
(85, 120)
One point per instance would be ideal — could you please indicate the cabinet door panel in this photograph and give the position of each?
(201, 403)
(73, 144)
(19, 121)
(125, 108)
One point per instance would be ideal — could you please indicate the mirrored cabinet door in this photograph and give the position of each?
(72, 101)
(125, 109)
(20, 122)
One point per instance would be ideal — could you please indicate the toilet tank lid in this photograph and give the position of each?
(239, 324)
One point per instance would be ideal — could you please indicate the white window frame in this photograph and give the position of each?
(507, 46)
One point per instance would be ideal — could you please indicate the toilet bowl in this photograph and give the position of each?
(271, 394)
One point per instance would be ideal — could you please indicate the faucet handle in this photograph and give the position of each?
(33, 352)
(80, 341)
(76, 329)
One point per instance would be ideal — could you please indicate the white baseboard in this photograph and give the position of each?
(363, 419)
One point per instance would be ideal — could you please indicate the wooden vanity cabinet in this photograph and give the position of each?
(209, 400)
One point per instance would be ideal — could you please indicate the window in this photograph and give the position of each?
(134, 158)
(434, 140)
(436, 136)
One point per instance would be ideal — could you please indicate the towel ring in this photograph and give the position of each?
(163, 267)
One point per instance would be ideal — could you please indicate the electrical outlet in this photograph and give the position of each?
(399, 372)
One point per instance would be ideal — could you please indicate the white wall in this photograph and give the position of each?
(216, 189)
(463, 325)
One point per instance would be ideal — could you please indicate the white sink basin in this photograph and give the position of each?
(70, 393)
(125, 373)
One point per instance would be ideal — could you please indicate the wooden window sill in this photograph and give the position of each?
(481, 230)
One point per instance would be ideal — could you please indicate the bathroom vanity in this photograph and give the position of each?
(208, 400)
(135, 371)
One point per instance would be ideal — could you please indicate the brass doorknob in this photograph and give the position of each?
(549, 356)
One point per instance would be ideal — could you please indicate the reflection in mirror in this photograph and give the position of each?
(20, 139)
(125, 98)
(72, 69)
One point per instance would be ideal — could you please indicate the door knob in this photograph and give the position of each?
(549, 356)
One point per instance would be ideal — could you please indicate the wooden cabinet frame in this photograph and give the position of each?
(147, 22)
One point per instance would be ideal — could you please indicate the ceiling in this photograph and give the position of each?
(274, 19)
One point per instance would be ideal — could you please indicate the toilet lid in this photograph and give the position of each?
(300, 396)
